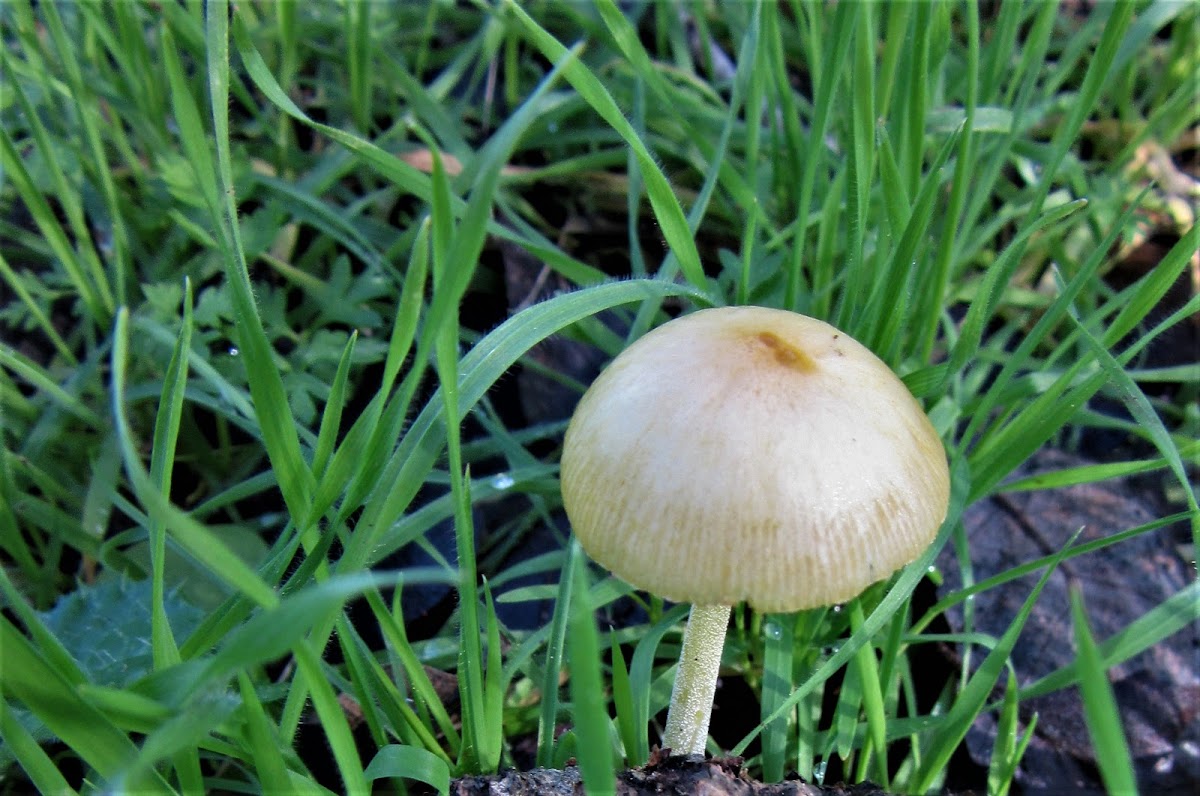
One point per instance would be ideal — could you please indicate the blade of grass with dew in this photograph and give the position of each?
(972, 698)
(1100, 710)
(266, 385)
(666, 206)
(201, 543)
(465, 247)
(589, 713)
(778, 641)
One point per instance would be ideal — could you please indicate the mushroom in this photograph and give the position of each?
(745, 453)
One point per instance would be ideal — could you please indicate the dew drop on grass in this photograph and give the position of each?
(772, 631)
(233, 351)
(502, 481)
(837, 609)
(819, 773)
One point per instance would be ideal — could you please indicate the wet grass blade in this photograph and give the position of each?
(778, 640)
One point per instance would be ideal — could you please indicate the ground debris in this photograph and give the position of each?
(679, 775)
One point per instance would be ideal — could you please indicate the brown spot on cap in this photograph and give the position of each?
(785, 353)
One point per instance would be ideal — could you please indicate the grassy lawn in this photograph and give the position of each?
(298, 297)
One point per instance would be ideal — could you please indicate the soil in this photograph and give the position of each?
(662, 775)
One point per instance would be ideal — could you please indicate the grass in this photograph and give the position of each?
(240, 245)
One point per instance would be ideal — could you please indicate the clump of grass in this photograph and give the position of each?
(237, 244)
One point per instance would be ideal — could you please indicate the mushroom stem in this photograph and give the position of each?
(696, 680)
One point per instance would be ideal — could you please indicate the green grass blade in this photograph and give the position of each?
(872, 694)
(549, 712)
(622, 697)
(52, 698)
(266, 385)
(332, 717)
(1172, 615)
(662, 198)
(331, 418)
(162, 459)
(589, 712)
(262, 740)
(1148, 419)
(410, 762)
(1100, 707)
(973, 696)
(887, 607)
(191, 535)
(778, 640)
(641, 674)
(33, 760)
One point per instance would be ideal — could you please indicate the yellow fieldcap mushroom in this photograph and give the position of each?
(754, 454)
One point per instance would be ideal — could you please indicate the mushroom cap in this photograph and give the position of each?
(755, 454)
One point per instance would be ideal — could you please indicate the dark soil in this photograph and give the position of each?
(662, 775)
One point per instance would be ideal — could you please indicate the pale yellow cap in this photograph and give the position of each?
(752, 454)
